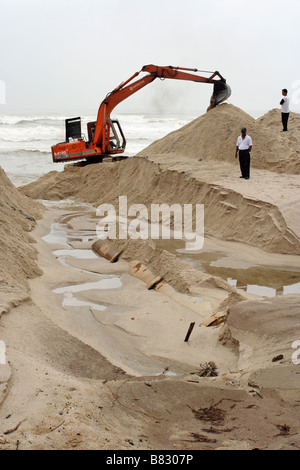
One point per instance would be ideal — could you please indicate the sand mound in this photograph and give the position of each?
(270, 317)
(213, 136)
(17, 253)
(228, 214)
(177, 273)
(265, 330)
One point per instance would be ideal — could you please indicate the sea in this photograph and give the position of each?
(26, 139)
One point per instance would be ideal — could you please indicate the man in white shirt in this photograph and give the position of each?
(244, 147)
(285, 109)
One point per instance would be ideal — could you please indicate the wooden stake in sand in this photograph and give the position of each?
(191, 327)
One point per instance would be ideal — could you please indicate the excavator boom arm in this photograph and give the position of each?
(180, 73)
(119, 94)
(127, 88)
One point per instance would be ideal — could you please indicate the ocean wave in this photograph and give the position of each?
(31, 123)
(22, 139)
(23, 152)
(9, 120)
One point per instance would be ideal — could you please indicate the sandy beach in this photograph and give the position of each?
(97, 359)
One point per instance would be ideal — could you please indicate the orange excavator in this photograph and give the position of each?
(105, 135)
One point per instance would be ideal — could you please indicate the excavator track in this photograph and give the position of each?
(102, 159)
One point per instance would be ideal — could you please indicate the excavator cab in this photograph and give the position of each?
(115, 137)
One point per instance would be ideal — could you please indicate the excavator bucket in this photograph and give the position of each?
(221, 92)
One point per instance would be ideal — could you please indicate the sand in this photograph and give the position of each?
(107, 367)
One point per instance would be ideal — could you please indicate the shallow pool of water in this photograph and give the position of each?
(62, 232)
(107, 283)
(250, 276)
(220, 259)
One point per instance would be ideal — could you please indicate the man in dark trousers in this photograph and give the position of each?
(285, 109)
(244, 147)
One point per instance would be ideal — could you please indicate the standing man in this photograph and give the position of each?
(244, 147)
(285, 109)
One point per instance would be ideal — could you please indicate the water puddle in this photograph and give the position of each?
(248, 275)
(106, 283)
(76, 253)
(69, 301)
(62, 232)
(293, 289)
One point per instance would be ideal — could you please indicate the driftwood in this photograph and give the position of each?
(9, 431)
(215, 319)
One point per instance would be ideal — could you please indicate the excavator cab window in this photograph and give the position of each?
(117, 140)
(91, 130)
(73, 129)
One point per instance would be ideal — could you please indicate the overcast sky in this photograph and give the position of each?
(59, 55)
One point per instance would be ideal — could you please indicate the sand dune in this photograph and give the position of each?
(213, 136)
